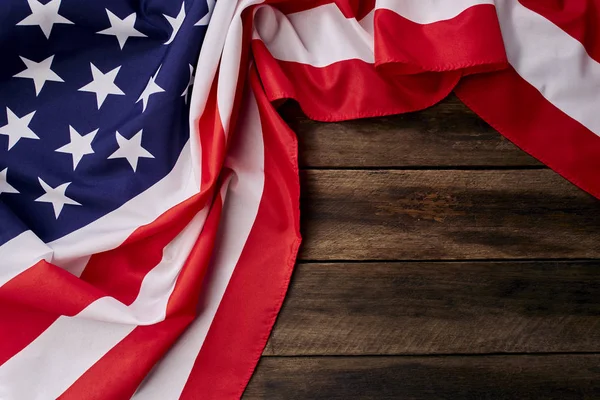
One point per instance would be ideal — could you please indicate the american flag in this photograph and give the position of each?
(149, 197)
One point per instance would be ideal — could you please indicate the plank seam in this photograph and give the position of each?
(439, 355)
(429, 168)
(468, 260)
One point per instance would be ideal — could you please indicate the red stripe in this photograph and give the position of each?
(469, 43)
(256, 290)
(518, 111)
(118, 374)
(578, 18)
(349, 89)
(184, 298)
(27, 321)
(212, 139)
(34, 299)
(212, 134)
(119, 273)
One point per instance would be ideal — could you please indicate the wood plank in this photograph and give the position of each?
(440, 307)
(446, 214)
(447, 134)
(492, 377)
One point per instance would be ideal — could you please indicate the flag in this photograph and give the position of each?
(149, 197)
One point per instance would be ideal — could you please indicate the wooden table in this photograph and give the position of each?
(439, 261)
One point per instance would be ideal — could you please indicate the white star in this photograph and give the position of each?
(131, 149)
(79, 146)
(151, 88)
(17, 128)
(44, 15)
(102, 84)
(176, 23)
(39, 72)
(5, 187)
(190, 84)
(204, 20)
(122, 28)
(56, 196)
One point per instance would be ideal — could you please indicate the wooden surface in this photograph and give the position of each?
(440, 308)
(446, 135)
(452, 377)
(439, 261)
(415, 215)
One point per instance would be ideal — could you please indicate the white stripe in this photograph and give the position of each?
(246, 159)
(71, 345)
(50, 364)
(230, 65)
(210, 55)
(552, 61)
(229, 71)
(208, 62)
(21, 253)
(319, 36)
(429, 11)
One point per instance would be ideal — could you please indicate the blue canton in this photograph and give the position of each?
(94, 104)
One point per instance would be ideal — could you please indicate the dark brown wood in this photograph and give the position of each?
(502, 321)
(483, 377)
(447, 134)
(446, 214)
(440, 307)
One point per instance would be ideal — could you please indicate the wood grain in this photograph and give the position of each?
(447, 134)
(440, 308)
(483, 377)
(446, 214)
(498, 293)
